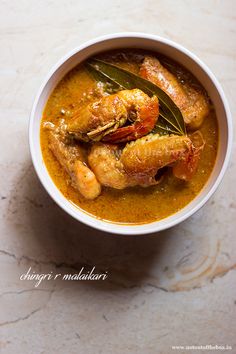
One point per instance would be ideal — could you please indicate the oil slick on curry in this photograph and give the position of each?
(129, 136)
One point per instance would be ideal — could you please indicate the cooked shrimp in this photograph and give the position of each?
(139, 162)
(103, 119)
(73, 160)
(192, 103)
(153, 152)
(105, 162)
(150, 153)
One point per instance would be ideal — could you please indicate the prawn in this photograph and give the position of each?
(141, 161)
(104, 159)
(105, 118)
(73, 160)
(192, 102)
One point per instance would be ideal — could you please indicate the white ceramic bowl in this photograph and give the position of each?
(154, 43)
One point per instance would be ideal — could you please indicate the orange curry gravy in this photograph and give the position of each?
(134, 205)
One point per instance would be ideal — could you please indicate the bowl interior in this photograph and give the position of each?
(167, 48)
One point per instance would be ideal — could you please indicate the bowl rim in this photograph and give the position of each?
(119, 228)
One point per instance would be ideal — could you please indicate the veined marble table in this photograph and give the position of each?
(177, 287)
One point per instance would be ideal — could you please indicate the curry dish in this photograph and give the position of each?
(129, 136)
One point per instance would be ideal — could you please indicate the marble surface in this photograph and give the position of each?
(177, 287)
